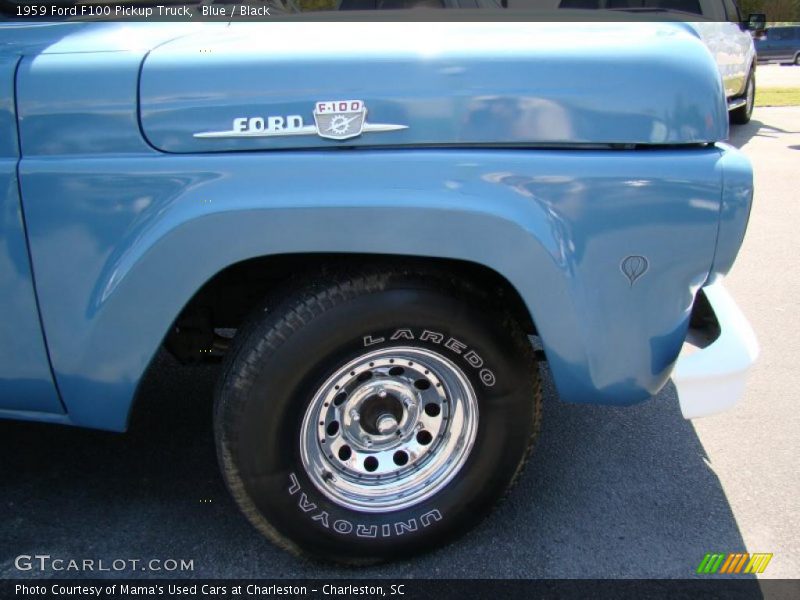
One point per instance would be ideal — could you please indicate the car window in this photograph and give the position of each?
(778, 34)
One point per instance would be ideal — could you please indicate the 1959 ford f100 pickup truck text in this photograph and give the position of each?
(367, 231)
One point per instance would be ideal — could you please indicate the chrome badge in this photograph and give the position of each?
(340, 119)
(333, 119)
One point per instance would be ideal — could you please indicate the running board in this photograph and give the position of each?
(735, 103)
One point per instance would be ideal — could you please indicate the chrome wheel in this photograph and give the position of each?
(751, 94)
(389, 429)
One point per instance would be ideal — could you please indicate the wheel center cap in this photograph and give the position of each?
(377, 411)
(381, 412)
(386, 424)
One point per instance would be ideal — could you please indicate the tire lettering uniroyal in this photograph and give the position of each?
(367, 532)
(402, 526)
(304, 504)
(345, 527)
(295, 485)
(430, 516)
(322, 518)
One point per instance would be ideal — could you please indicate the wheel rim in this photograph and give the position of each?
(751, 87)
(389, 429)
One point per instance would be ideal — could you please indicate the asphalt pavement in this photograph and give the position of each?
(609, 492)
(754, 448)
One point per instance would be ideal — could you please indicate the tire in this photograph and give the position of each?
(475, 365)
(743, 114)
(797, 59)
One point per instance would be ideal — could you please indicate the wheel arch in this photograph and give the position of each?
(236, 290)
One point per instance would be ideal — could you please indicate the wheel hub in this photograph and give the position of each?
(377, 409)
(389, 429)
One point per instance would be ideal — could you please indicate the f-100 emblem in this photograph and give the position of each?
(340, 119)
(333, 119)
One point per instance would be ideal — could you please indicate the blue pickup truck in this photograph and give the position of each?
(366, 232)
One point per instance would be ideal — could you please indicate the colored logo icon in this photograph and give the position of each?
(737, 562)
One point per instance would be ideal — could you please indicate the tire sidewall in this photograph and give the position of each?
(751, 89)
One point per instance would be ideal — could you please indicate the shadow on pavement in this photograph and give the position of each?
(741, 134)
(609, 492)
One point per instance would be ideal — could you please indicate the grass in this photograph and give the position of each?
(778, 97)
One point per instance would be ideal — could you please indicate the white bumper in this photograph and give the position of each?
(711, 379)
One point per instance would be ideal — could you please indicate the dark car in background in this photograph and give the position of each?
(779, 44)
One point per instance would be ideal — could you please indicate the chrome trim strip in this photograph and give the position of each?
(305, 130)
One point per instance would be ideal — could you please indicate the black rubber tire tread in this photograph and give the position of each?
(264, 332)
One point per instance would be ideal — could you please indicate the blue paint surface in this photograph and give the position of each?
(128, 214)
(26, 383)
(466, 83)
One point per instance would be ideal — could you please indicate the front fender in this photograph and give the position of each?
(121, 244)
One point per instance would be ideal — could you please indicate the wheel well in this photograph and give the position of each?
(201, 330)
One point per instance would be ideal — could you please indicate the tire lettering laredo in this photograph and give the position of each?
(473, 358)
(345, 527)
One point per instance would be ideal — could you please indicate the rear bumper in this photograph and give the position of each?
(719, 350)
